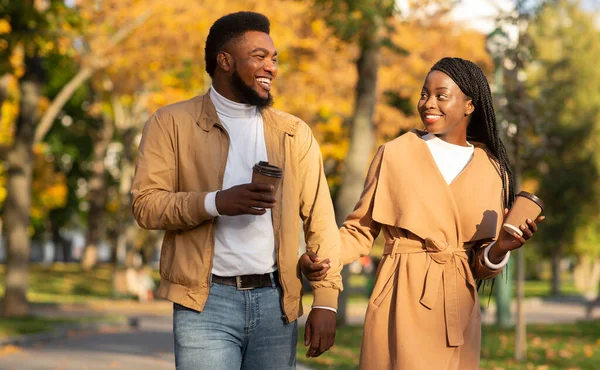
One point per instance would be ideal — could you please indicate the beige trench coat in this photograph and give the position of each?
(424, 312)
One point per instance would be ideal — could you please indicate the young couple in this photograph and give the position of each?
(229, 260)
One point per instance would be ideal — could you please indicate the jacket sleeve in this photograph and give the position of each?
(156, 202)
(316, 211)
(359, 231)
(478, 267)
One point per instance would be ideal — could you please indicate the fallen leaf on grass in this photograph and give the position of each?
(565, 354)
(588, 351)
(9, 349)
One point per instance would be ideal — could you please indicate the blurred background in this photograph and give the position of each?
(78, 79)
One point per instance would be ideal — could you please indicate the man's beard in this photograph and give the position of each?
(247, 94)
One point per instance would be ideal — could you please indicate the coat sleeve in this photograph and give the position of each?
(156, 202)
(360, 230)
(478, 267)
(317, 213)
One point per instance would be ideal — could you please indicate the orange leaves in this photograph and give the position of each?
(4, 27)
(49, 187)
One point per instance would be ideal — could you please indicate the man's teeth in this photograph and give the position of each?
(431, 117)
(264, 81)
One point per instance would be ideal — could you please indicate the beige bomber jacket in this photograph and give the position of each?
(182, 157)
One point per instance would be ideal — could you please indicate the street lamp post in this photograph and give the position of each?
(497, 43)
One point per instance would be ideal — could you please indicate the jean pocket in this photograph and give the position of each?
(178, 307)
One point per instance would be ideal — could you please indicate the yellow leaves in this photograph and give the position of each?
(154, 66)
(4, 26)
(9, 112)
(17, 60)
(356, 15)
(318, 27)
(588, 351)
(49, 187)
(531, 185)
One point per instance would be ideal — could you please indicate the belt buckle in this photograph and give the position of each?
(238, 284)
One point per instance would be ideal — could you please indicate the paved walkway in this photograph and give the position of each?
(149, 346)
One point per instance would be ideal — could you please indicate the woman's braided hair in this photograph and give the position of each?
(483, 127)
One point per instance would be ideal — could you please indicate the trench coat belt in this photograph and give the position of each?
(442, 269)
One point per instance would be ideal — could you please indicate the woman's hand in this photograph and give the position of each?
(313, 267)
(510, 241)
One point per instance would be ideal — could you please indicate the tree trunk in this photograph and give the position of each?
(18, 200)
(126, 226)
(555, 287)
(362, 141)
(128, 121)
(62, 247)
(98, 193)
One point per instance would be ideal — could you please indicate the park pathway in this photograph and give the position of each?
(149, 345)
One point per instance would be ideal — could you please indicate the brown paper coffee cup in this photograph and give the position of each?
(526, 206)
(265, 173)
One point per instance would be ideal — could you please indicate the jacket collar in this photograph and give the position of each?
(206, 116)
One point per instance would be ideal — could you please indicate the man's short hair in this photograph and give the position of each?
(227, 28)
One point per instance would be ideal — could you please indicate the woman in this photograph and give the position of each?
(439, 197)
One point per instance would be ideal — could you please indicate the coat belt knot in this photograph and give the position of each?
(442, 270)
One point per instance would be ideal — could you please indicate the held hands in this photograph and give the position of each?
(313, 267)
(510, 241)
(319, 332)
(245, 199)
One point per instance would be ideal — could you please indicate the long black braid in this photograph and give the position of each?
(483, 127)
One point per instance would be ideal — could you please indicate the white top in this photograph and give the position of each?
(244, 244)
(451, 159)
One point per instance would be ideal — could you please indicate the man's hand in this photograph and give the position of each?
(313, 267)
(319, 332)
(246, 199)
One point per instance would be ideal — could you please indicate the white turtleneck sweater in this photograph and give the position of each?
(450, 159)
(244, 244)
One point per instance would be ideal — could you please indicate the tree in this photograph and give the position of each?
(564, 80)
(32, 32)
(35, 29)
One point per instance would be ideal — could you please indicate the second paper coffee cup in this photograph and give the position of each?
(265, 173)
(526, 206)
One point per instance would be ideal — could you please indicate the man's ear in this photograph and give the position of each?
(225, 61)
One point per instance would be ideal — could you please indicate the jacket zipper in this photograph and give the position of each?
(221, 177)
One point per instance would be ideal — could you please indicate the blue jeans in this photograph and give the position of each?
(238, 329)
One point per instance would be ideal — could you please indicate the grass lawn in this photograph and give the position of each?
(27, 325)
(550, 347)
(30, 325)
(60, 284)
(68, 283)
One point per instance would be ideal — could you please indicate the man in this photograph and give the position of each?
(229, 260)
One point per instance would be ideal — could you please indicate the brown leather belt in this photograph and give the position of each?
(247, 282)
